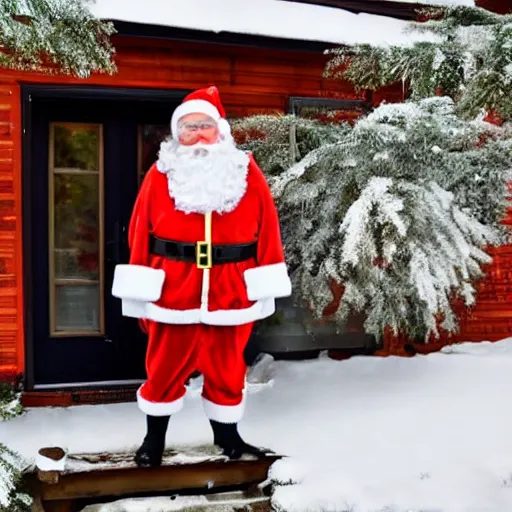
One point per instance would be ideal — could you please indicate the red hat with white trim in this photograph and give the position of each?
(204, 101)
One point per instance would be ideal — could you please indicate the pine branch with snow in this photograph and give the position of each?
(60, 36)
(10, 402)
(12, 497)
(471, 61)
(279, 141)
(400, 211)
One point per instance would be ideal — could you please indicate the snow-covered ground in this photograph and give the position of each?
(427, 434)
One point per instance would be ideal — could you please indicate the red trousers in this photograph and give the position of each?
(176, 351)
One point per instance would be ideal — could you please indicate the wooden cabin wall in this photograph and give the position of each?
(498, 6)
(11, 291)
(491, 317)
(251, 81)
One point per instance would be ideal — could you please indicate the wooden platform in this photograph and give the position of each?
(96, 478)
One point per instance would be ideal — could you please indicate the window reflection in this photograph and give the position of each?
(150, 138)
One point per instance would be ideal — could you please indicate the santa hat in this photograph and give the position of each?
(204, 101)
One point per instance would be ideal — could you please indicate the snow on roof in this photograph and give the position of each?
(467, 3)
(270, 18)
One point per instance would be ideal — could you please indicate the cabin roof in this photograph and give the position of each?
(325, 21)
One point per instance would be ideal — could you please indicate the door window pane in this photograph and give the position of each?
(76, 226)
(76, 146)
(76, 229)
(77, 308)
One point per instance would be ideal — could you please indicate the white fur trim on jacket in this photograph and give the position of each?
(268, 281)
(259, 310)
(224, 413)
(159, 408)
(193, 107)
(138, 283)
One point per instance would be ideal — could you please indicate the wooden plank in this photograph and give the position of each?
(250, 500)
(60, 506)
(498, 6)
(10, 226)
(84, 397)
(173, 478)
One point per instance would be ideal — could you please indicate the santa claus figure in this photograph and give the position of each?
(206, 262)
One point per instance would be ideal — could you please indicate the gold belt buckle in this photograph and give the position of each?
(203, 255)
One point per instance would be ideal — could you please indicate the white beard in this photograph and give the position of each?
(204, 178)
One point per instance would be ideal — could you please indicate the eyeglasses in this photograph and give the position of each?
(196, 127)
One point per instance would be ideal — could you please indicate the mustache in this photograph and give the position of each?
(199, 150)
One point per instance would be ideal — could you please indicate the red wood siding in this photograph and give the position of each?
(11, 290)
(498, 6)
(491, 318)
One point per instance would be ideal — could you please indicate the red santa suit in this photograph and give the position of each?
(197, 304)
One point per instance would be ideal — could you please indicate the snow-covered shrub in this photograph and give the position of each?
(12, 497)
(10, 402)
(399, 210)
(278, 142)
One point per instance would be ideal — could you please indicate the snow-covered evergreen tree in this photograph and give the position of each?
(471, 61)
(399, 209)
(54, 36)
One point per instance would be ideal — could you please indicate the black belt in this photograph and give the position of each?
(200, 254)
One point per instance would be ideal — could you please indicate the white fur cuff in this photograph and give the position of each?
(138, 283)
(268, 281)
(133, 308)
(159, 408)
(224, 413)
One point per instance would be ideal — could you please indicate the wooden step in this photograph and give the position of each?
(115, 476)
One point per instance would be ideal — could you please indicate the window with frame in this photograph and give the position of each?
(76, 225)
(328, 110)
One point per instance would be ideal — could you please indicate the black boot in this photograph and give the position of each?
(151, 452)
(227, 438)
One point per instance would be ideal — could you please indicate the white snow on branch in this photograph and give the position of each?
(278, 183)
(355, 225)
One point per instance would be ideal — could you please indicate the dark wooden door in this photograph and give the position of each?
(87, 158)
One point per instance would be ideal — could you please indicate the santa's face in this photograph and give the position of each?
(206, 171)
(197, 128)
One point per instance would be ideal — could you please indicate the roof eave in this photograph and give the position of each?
(132, 29)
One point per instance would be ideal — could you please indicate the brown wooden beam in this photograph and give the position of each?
(172, 478)
(214, 503)
(77, 397)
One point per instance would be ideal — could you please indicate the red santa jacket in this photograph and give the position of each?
(178, 292)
